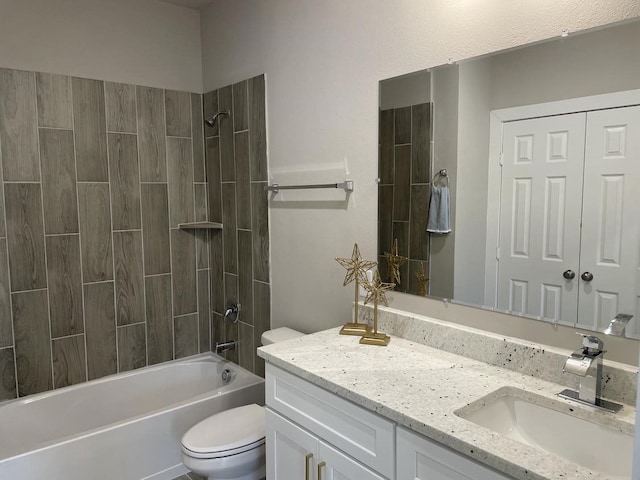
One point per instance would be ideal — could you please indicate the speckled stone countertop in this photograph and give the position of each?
(421, 387)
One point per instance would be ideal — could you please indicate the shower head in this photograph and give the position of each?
(211, 121)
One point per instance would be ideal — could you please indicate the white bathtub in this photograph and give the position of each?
(123, 427)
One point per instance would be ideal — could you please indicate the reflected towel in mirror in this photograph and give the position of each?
(439, 211)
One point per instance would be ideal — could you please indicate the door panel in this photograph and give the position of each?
(339, 466)
(287, 449)
(541, 195)
(611, 201)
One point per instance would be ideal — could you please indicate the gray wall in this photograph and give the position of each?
(95, 276)
(445, 148)
(236, 151)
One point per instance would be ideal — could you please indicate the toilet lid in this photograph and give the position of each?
(228, 430)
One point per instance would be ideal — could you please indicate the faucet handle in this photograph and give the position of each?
(591, 343)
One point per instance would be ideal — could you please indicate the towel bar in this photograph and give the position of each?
(347, 185)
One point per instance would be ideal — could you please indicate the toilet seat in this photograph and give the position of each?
(223, 453)
(227, 433)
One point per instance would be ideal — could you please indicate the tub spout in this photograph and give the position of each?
(222, 347)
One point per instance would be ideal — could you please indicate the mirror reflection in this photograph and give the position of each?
(532, 158)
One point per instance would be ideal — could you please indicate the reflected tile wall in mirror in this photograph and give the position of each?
(404, 189)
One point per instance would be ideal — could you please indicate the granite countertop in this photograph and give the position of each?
(420, 387)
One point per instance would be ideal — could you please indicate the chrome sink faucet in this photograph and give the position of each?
(586, 363)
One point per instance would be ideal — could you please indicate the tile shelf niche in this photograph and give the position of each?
(200, 225)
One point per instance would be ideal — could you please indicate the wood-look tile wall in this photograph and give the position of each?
(95, 276)
(236, 154)
(404, 189)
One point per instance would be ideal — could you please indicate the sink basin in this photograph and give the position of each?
(561, 428)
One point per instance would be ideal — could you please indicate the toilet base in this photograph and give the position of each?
(249, 465)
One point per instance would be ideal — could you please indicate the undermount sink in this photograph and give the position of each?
(557, 427)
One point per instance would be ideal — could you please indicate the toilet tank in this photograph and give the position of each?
(279, 335)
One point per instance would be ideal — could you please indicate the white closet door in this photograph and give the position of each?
(611, 218)
(541, 197)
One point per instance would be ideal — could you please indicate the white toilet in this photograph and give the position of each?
(230, 445)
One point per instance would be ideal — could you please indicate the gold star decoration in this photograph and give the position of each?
(355, 266)
(393, 263)
(376, 289)
(422, 281)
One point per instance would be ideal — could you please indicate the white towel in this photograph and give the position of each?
(439, 215)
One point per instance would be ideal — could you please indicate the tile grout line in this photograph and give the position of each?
(142, 234)
(6, 247)
(113, 253)
(75, 164)
(166, 167)
(193, 180)
(46, 262)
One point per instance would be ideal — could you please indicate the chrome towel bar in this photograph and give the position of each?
(347, 185)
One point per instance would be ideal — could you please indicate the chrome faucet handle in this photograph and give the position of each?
(592, 344)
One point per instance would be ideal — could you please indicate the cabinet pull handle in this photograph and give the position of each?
(307, 466)
(320, 465)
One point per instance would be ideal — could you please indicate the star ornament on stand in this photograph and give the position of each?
(356, 269)
(376, 289)
(422, 281)
(394, 261)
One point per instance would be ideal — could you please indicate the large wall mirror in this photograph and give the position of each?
(536, 151)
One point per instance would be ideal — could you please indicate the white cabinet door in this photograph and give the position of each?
(335, 465)
(421, 459)
(610, 247)
(542, 168)
(291, 451)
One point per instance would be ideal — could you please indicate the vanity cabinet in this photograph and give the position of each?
(422, 459)
(294, 453)
(313, 434)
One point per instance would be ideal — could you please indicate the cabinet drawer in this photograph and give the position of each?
(365, 436)
(422, 459)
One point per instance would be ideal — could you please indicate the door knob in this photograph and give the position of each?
(569, 274)
(587, 276)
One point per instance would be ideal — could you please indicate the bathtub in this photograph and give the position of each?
(123, 427)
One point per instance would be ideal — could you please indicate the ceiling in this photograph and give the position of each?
(197, 4)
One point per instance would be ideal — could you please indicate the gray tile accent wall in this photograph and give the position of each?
(178, 112)
(132, 347)
(95, 230)
(25, 236)
(151, 134)
(159, 325)
(236, 160)
(87, 283)
(6, 329)
(59, 193)
(65, 285)
(186, 335)
(100, 324)
(32, 341)
(121, 107)
(90, 130)
(405, 172)
(129, 276)
(18, 126)
(55, 105)
(69, 361)
(125, 184)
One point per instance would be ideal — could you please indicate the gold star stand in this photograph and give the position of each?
(394, 262)
(422, 281)
(376, 290)
(356, 268)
